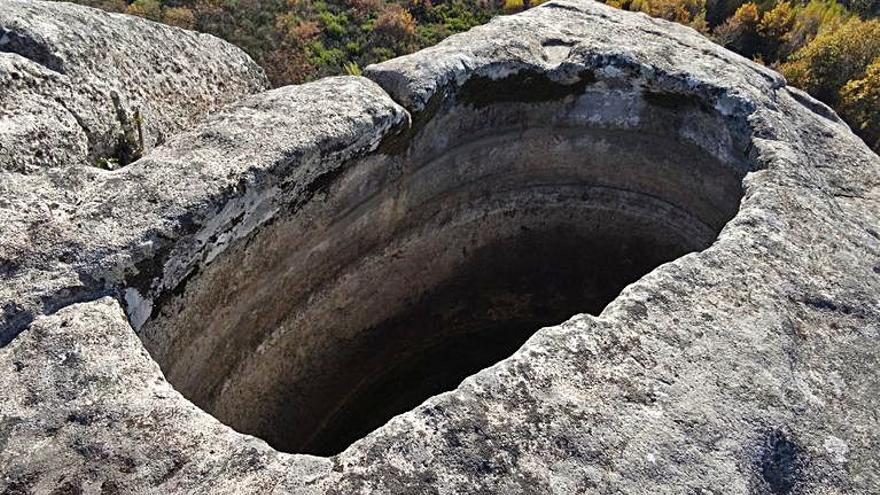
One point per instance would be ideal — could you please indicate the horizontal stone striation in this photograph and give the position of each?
(150, 224)
(304, 319)
(749, 367)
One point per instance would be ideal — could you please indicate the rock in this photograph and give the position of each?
(73, 235)
(97, 361)
(36, 129)
(115, 83)
(72, 80)
(312, 260)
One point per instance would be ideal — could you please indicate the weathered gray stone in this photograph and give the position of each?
(292, 255)
(96, 439)
(94, 73)
(71, 79)
(74, 235)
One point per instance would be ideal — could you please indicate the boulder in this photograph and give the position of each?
(83, 91)
(117, 85)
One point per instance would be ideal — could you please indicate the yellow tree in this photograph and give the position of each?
(690, 12)
(150, 9)
(740, 31)
(394, 27)
(834, 58)
(860, 105)
(817, 16)
(775, 29)
(180, 17)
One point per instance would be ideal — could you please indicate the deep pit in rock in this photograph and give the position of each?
(409, 270)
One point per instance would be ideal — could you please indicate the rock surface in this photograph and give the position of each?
(96, 74)
(748, 367)
(72, 80)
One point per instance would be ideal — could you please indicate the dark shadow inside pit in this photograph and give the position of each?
(481, 315)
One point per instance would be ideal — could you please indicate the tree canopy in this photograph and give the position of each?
(829, 48)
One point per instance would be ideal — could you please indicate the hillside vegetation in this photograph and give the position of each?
(830, 49)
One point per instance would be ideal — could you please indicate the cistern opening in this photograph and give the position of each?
(414, 269)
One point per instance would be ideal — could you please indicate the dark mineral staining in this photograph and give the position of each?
(110, 487)
(68, 488)
(780, 463)
(825, 304)
(16, 319)
(674, 101)
(6, 426)
(820, 303)
(20, 484)
(529, 87)
(83, 418)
